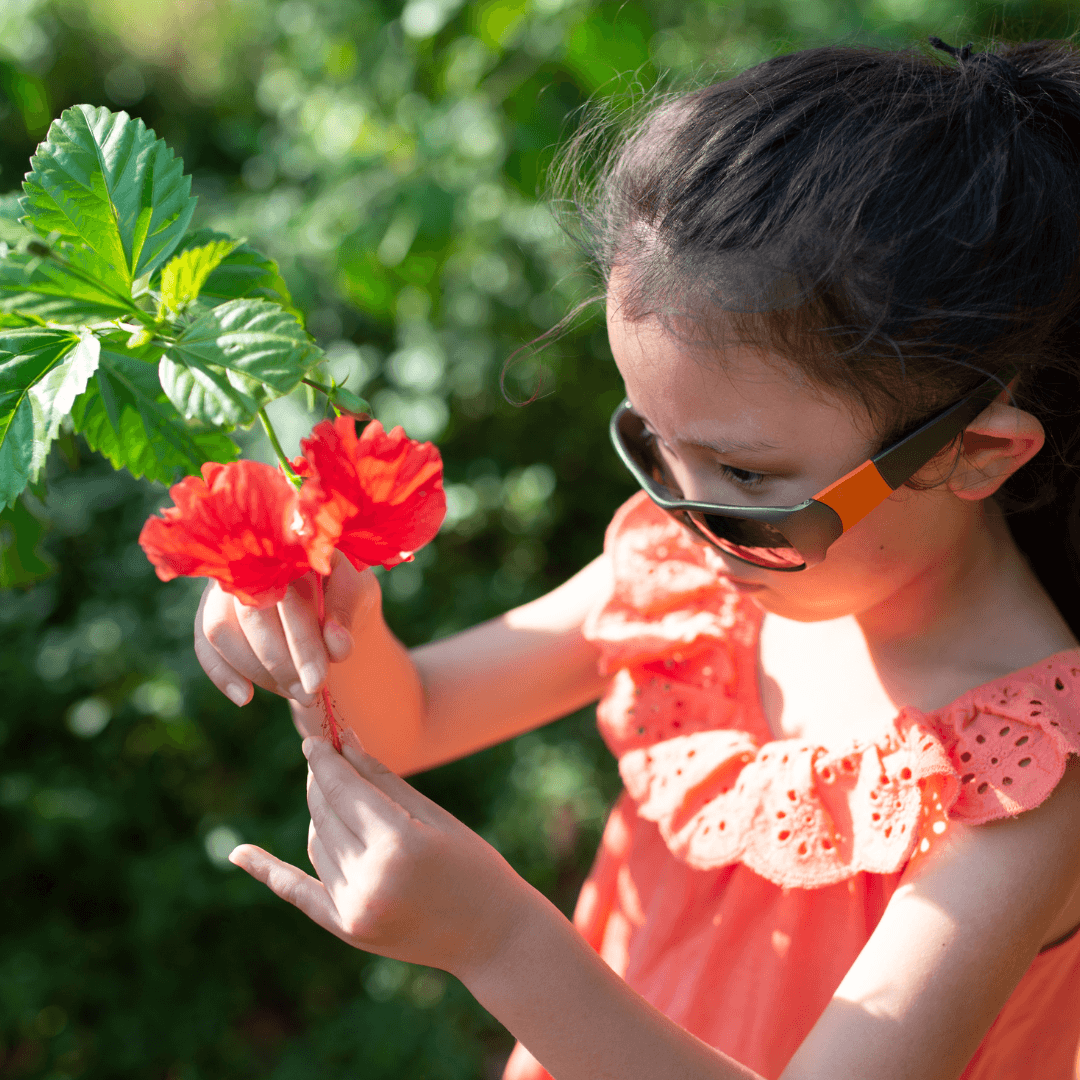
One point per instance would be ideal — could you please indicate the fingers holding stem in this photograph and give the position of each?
(332, 726)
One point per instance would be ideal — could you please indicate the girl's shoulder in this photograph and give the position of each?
(683, 717)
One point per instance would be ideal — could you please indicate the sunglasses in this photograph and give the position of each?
(790, 538)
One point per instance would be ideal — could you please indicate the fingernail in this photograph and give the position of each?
(337, 638)
(311, 677)
(298, 693)
(236, 693)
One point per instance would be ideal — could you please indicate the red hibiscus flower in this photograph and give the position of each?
(376, 498)
(238, 523)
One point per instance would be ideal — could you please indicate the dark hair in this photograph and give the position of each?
(897, 224)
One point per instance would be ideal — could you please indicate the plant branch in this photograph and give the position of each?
(283, 459)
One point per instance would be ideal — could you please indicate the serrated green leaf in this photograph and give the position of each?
(244, 272)
(183, 277)
(105, 180)
(234, 359)
(53, 395)
(125, 416)
(26, 357)
(22, 561)
(204, 392)
(61, 290)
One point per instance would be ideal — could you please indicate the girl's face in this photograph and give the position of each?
(738, 429)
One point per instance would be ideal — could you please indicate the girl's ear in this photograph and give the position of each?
(996, 443)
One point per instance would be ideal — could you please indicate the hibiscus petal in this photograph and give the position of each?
(237, 523)
(376, 497)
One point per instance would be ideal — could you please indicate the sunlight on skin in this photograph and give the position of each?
(876, 991)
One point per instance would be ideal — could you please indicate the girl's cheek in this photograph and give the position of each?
(860, 570)
(869, 563)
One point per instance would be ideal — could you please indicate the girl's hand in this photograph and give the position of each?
(282, 648)
(398, 875)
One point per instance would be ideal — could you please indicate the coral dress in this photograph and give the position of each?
(739, 875)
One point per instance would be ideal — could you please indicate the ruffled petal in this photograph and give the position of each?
(377, 497)
(238, 523)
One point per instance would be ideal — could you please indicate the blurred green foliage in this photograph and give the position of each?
(389, 158)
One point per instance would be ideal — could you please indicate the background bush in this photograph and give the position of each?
(389, 158)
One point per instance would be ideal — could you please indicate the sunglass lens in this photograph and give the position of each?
(751, 541)
(638, 444)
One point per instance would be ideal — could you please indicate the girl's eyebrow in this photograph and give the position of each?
(732, 446)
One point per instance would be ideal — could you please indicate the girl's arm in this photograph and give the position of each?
(446, 699)
(953, 944)
(403, 878)
(955, 939)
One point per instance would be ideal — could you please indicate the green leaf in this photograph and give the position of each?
(244, 272)
(125, 416)
(234, 359)
(9, 319)
(105, 180)
(185, 274)
(22, 562)
(64, 289)
(26, 357)
(54, 394)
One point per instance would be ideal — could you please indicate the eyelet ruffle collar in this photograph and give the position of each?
(683, 718)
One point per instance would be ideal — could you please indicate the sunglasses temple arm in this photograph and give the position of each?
(853, 496)
(902, 461)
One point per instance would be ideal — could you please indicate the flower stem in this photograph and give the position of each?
(283, 460)
(330, 720)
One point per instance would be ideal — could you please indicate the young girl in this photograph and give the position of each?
(843, 689)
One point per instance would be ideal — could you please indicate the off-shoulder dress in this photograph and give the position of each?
(739, 875)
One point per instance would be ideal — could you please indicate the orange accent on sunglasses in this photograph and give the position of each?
(853, 496)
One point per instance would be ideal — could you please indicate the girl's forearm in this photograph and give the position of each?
(578, 1018)
(416, 709)
(377, 692)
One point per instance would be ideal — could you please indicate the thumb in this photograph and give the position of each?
(350, 596)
